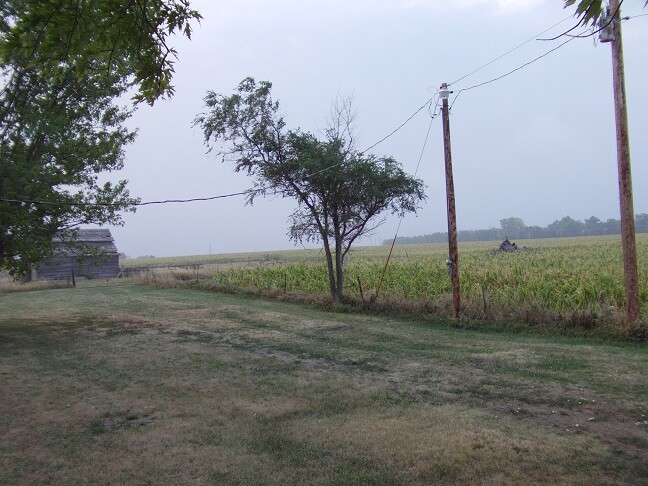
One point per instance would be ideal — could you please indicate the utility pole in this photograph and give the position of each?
(453, 257)
(633, 304)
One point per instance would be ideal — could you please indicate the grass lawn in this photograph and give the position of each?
(131, 384)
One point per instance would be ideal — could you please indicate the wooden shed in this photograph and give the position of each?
(90, 253)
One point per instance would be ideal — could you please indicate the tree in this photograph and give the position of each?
(52, 149)
(641, 222)
(125, 37)
(340, 192)
(513, 227)
(588, 11)
(611, 226)
(593, 226)
(62, 63)
(566, 227)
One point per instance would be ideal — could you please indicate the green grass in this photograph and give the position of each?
(131, 384)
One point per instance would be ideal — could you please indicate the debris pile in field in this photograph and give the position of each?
(507, 247)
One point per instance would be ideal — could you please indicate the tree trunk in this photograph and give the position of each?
(339, 270)
(329, 268)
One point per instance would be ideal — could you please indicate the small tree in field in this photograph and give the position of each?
(339, 190)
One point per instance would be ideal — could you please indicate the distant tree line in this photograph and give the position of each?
(515, 228)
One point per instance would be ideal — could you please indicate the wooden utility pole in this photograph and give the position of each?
(453, 257)
(633, 304)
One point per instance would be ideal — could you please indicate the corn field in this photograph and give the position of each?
(562, 275)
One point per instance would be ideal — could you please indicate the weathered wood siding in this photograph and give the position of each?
(60, 267)
(90, 253)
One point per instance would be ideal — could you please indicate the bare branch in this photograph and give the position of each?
(341, 124)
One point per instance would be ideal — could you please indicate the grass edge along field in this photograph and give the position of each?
(575, 284)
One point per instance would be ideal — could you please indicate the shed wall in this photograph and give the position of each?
(60, 267)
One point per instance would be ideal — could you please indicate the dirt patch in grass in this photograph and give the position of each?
(112, 422)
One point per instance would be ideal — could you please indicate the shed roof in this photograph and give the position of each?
(100, 239)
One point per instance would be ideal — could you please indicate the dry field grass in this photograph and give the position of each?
(135, 385)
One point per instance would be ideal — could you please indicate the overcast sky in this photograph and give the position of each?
(538, 144)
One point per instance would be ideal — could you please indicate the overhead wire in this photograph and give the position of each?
(388, 259)
(427, 104)
(400, 221)
(508, 52)
(101, 204)
(517, 68)
(454, 101)
(209, 198)
(393, 132)
(522, 66)
(433, 112)
(566, 33)
(571, 38)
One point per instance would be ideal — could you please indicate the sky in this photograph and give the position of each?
(538, 144)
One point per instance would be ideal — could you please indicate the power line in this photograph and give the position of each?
(100, 204)
(209, 198)
(393, 132)
(433, 113)
(517, 68)
(508, 52)
(571, 37)
(427, 135)
(566, 33)
(454, 101)
(400, 221)
(428, 102)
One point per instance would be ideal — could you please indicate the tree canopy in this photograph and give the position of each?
(587, 10)
(129, 38)
(63, 65)
(54, 143)
(340, 192)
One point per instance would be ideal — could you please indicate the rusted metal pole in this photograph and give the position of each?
(633, 304)
(453, 257)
